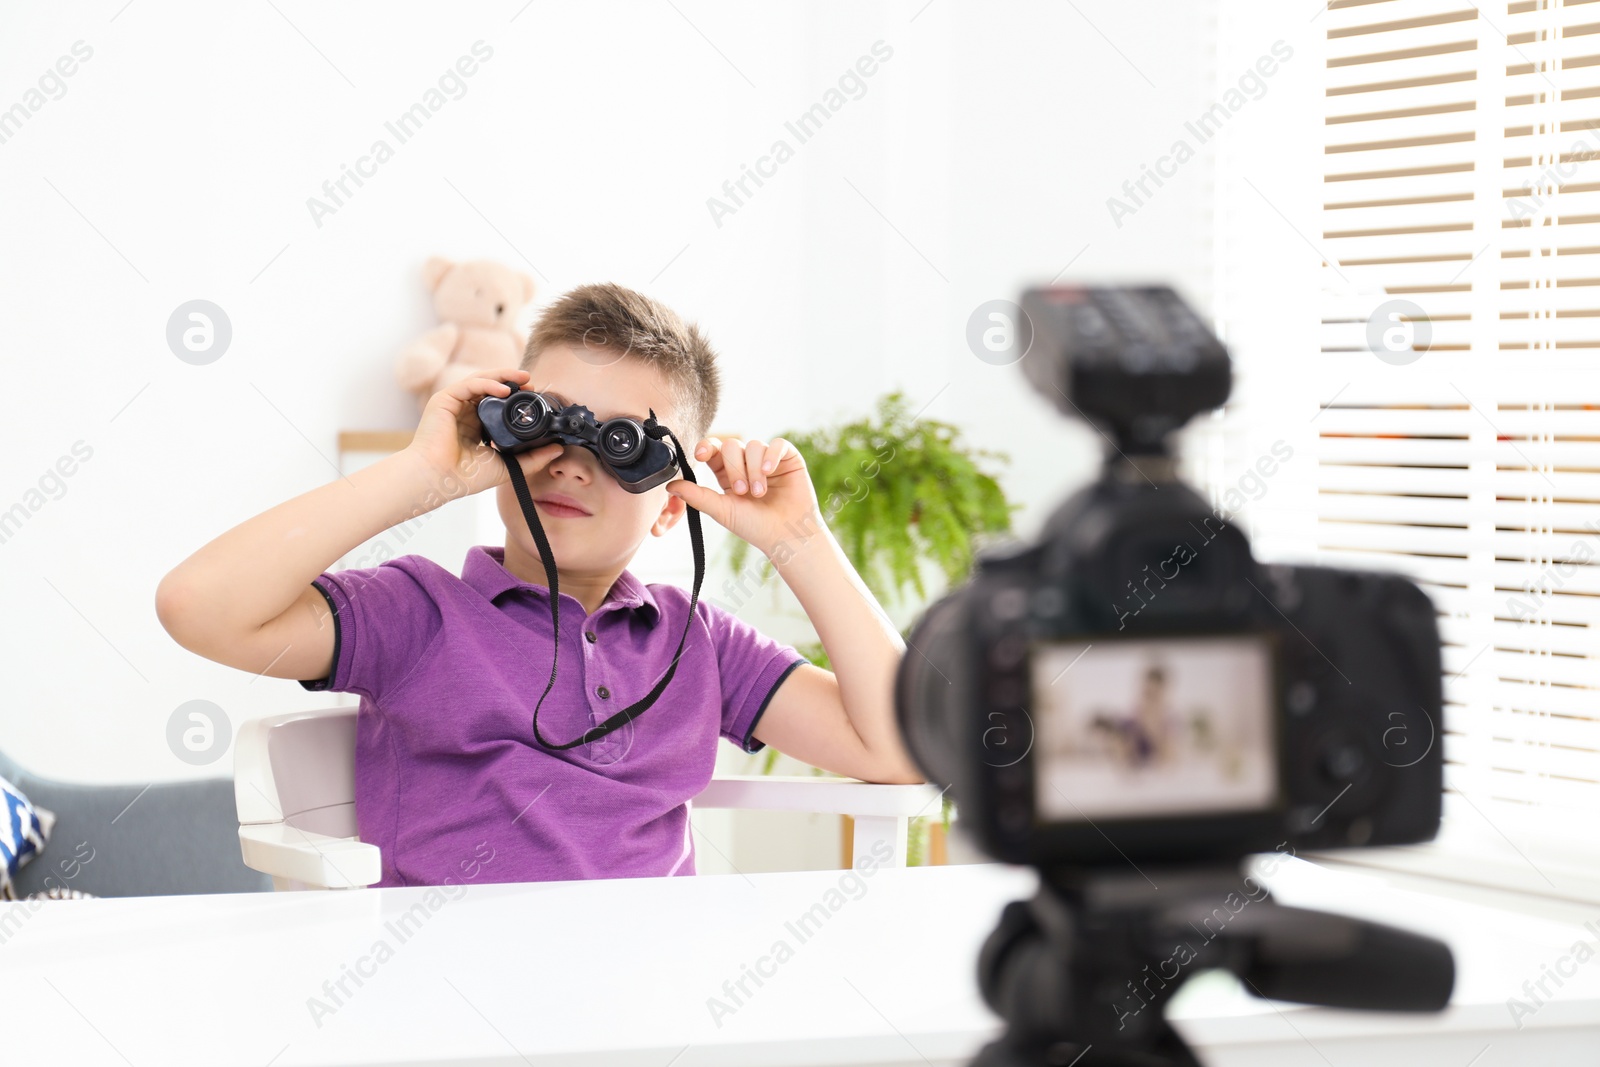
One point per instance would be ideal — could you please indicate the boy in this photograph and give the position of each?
(449, 668)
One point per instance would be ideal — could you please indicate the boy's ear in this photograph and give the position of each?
(672, 512)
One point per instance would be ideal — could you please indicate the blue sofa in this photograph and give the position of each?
(179, 837)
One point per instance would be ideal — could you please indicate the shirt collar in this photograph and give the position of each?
(486, 572)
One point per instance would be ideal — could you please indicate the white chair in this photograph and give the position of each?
(294, 786)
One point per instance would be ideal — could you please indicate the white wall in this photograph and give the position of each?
(178, 162)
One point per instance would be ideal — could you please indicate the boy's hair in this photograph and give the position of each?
(633, 325)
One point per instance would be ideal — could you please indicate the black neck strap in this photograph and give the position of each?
(632, 711)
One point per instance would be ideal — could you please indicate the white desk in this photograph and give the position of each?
(619, 973)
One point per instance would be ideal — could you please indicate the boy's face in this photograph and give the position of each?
(605, 539)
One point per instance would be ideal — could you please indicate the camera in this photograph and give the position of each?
(633, 452)
(1136, 687)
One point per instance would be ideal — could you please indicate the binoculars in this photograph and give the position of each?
(632, 452)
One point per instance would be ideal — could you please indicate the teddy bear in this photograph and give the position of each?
(477, 303)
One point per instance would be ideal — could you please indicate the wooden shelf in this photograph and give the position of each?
(374, 440)
(395, 440)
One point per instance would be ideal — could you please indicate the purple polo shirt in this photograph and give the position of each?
(448, 772)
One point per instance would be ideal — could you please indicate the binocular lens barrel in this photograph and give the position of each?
(623, 440)
(527, 415)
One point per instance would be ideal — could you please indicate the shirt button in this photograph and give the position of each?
(605, 694)
(589, 636)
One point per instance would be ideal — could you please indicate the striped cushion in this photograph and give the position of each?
(23, 831)
(59, 892)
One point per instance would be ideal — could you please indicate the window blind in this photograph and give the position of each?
(1460, 222)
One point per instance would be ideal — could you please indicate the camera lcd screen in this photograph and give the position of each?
(1153, 728)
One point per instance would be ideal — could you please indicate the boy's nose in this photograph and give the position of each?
(568, 462)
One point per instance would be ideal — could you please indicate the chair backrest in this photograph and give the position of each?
(298, 768)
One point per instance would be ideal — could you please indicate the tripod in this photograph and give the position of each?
(1081, 972)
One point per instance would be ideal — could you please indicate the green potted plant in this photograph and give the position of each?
(898, 490)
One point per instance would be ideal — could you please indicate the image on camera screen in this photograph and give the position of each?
(1129, 729)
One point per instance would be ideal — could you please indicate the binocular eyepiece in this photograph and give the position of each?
(531, 416)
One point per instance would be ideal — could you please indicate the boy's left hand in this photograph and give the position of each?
(765, 488)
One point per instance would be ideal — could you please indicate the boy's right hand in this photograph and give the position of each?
(449, 437)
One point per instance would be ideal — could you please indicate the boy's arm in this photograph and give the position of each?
(814, 713)
(246, 599)
(843, 720)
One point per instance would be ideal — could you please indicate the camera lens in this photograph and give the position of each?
(622, 440)
(929, 707)
(527, 414)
